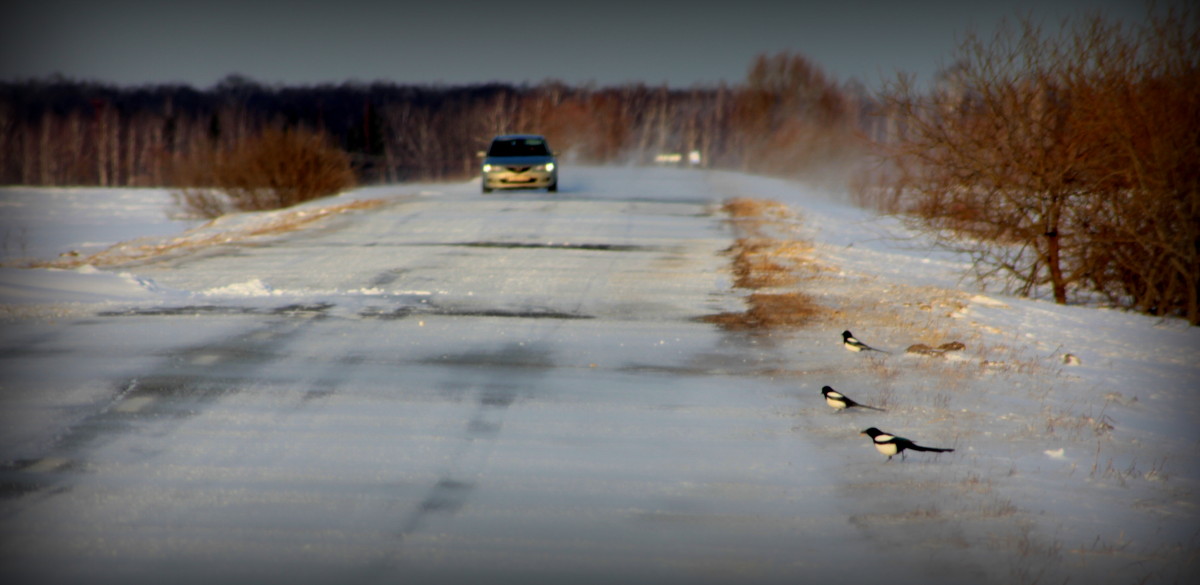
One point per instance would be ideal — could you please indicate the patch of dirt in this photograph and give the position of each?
(756, 264)
(769, 311)
(764, 257)
(790, 288)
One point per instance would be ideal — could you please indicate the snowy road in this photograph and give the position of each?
(514, 388)
(441, 389)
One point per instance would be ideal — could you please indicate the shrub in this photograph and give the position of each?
(273, 170)
(1065, 161)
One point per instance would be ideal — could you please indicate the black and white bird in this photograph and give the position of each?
(841, 402)
(852, 343)
(890, 445)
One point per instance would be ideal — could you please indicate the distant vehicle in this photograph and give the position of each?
(519, 161)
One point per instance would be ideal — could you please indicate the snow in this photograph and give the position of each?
(43, 223)
(82, 285)
(1091, 458)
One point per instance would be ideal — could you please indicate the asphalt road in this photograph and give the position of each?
(455, 389)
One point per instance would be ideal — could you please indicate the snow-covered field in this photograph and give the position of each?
(1076, 428)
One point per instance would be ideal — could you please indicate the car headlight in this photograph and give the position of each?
(549, 166)
(487, 168)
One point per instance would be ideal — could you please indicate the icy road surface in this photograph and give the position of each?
(515, 388)
(443, 389)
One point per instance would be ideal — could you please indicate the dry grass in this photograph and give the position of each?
(760, 262)
(761, 219)
(763, 258)
(769, 311)
(930, 513)
(770, 258)
(790, 288)
(756, 265)
(744, 208)
(998, 508)
(975, 483)
(1076, 426)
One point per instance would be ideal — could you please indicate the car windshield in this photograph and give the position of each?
(518, 147)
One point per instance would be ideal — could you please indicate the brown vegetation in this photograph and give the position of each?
(1062, 162)
(765, 258)
(768, 311)
(756, 264)
(790, 119)
(1066, 162)
(272, 170)
(787, 118)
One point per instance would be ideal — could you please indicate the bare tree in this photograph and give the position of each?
(1064, 161)
(1136, 101)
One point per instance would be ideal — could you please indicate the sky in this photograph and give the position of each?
(680, 44)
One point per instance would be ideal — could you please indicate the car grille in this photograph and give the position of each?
(518, 169)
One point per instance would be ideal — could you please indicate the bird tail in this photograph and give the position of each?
(871, 407)
(916, 447)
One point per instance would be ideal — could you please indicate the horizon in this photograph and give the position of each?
(130, 43)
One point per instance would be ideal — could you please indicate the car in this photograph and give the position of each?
(519, 161)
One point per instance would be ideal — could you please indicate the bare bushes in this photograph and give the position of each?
(1065, 162)
(791, 120)
(1142, 121)
(273, 170)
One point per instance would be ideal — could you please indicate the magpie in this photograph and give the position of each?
(841, 402)
(853, 344)
(890, 444)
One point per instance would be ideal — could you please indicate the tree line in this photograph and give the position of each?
(787, 117)
(1065, 163)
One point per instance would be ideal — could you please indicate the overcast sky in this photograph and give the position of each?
(134, 42)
